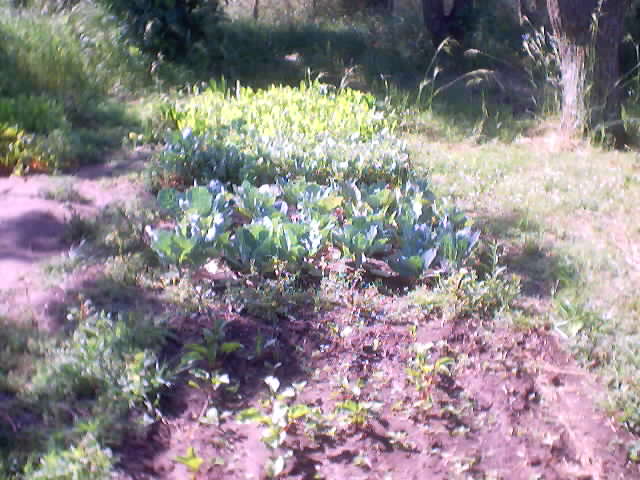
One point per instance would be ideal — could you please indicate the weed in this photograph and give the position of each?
(423, 372)
(64, 192)
(464, 294)
(78, 229)
(281, 417)
(106, 357)
(87, 460)
(212, 347)
(354, 411)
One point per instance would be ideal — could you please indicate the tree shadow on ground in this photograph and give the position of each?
(354, 55)
(542, 270)
(33, 234)
(268, 344)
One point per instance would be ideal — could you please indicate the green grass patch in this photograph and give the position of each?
(106, 368)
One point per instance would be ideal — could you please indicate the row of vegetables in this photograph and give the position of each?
(278, 195)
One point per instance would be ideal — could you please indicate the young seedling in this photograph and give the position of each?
(212, 347)
(191, 460)
(423, 372)
(279, 419)
(353, 411)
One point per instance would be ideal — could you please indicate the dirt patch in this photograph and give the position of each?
(513, 405)
(34, 226)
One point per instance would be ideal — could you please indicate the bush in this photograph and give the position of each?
(20, 153)
(35, 113)
(169, 28)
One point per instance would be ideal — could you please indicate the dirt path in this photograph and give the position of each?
(34, 216)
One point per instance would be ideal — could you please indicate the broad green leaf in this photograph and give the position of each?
(250, 415)
(230, 347)
(407, 266)
(168, 200)
(191, 460)
(199, 201)
(298, 411)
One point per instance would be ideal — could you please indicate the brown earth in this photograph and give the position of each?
(34, 226)
(515, 405)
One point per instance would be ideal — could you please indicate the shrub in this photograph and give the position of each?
(35, 113)
(167, 27)
(20, 153)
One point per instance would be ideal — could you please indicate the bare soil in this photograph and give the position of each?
(34, 223)
(516, 406)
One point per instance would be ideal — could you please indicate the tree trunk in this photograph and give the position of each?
(589, 33)
(441, 18)
(536, 12)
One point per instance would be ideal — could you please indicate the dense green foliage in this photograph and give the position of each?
(106, 369)
(164, 27)
(20, 154)
(312, 131)
(304, 170)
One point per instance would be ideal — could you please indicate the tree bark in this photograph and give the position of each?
(441, 19)
(589, 34)
(536, 12)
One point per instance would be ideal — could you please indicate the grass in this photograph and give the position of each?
(566, 218)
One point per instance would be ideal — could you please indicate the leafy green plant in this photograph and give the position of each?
(310, 109)
(33, 113)
(87, 460)
(455, 246)
(20, 153)
(291, 222)
(111, 357)
(354, 411)
(424, 371)
(312, 176)
(362, 237)
(257, 202)
(311, 131)
(213, 345)
(205, 213)
(191, 460)
(267, 243)
(281, 417)
(357, 414)
(463, 293)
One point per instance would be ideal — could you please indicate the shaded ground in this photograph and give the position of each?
(37, 215)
